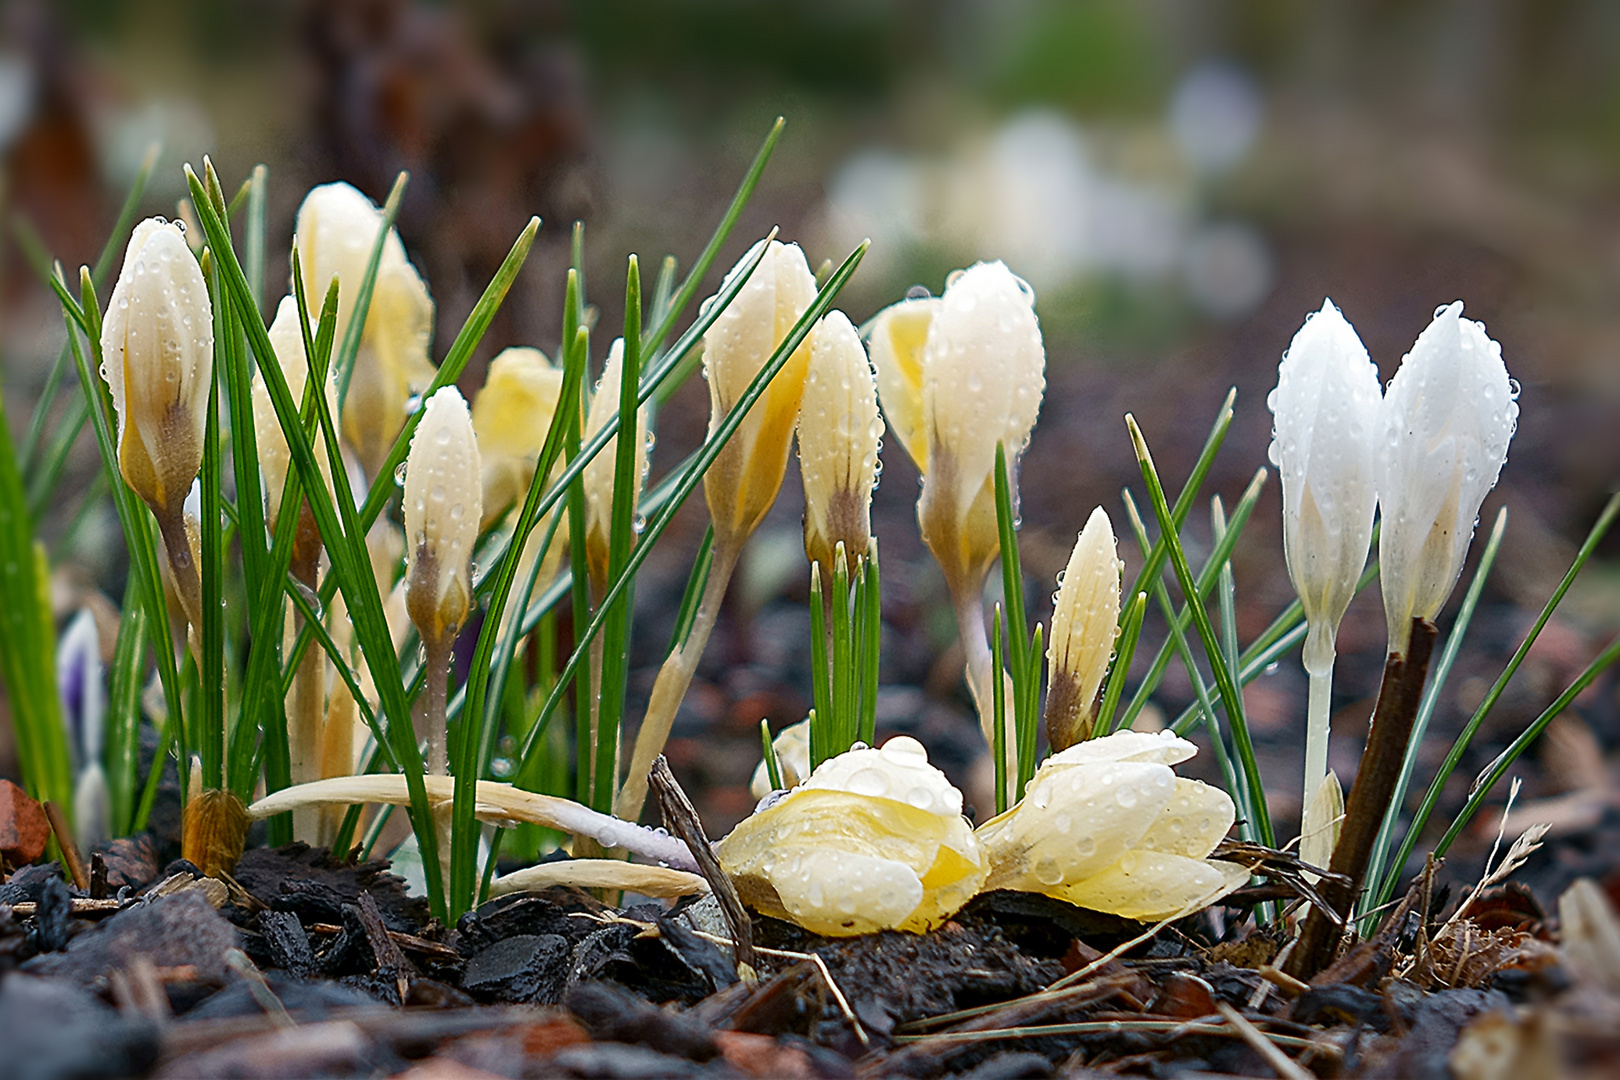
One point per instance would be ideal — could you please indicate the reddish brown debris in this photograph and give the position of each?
(24, 829)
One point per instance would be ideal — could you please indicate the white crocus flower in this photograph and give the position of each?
(1448, 416)
(82, 682)
(840, 433)
(1327, 406)
(1085, 619)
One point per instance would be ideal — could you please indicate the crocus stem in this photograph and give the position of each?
(1376, 775)
(306, 705)
(182, 564)
(1316, 733)
(673, 679)
(981, 669)
(430, 723)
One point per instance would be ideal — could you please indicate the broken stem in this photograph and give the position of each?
(1376, 776)
(673, 679)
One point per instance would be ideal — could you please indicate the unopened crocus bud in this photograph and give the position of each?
(983, 373)
(839, 433)
(157, 346)
(511, 416)
(742, 483)
(335, 231)
(1448, 416)
(599, 473)
(81, 680)
(898, 335)
(442, 510)
(287, 341)
(1327, 406)
(1085, 618)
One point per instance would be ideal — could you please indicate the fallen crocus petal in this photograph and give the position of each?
(658, 882)
(496, 803)
(1107, 825)
(872, 840)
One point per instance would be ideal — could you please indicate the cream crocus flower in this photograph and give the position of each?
(335, 231)
(1449, 414)
(743, 482)
(1107, 825)
(157, 346)
(839, 435)
(1328, 406)
(600, 472)
(287, 341)
(511, 416)
(1085, 618)
(792, 748)
(442, 510)
(873, 839)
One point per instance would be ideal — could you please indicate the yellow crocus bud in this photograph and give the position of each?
(898, 335)
(335, 231)
(839, 433)
(983, 373)
(599, 473)
(442, 509)
(742, 483)
(511, 416)
(287, 340)
(157, 346)
(1085, 618)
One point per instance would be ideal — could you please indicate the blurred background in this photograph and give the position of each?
(1180, 181)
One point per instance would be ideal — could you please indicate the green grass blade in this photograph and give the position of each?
(821, 737)
(1225, 681)
(998, 712)
(773, 767)
(211, 716)
(871, 643)
(1130, 632)
(1012, 580)
(122, 756)
(695, 582)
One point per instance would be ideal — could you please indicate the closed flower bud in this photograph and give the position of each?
(1448, 416)
(511, 416)
(898, 335)
(983, 373)
(839, 433)
(1327, 406)
(442, 510)
(157, 347)
(336, 229)
(287, 340)
(1107, 825)
(742, 483)
(1085, 617)
(599, 473)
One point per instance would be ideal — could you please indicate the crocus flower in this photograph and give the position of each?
(742, 483)
(1085, 618)
(511, 415)
(287, 341)
(82, 682)
(157, 346)
(840, 432)
(442, 510)
(599, 474)
(1328, 411)
(899, 333)
(873, 839)
(1448, 416)
(1107, 825)
(335, 231)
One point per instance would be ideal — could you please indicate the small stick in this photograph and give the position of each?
(682, 820)
(70, 850)
(1283, 1065)
(98, 876)
(1398, 698)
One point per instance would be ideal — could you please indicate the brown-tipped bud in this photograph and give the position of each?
(742, 483)
(839, 434)
(157, 346)
(1085, 618)
(335, 231)
(442, 509)
(213, 831)
(511, 416)
(599, 473)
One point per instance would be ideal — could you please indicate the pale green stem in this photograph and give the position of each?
(1317, 712)
(970, 624)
